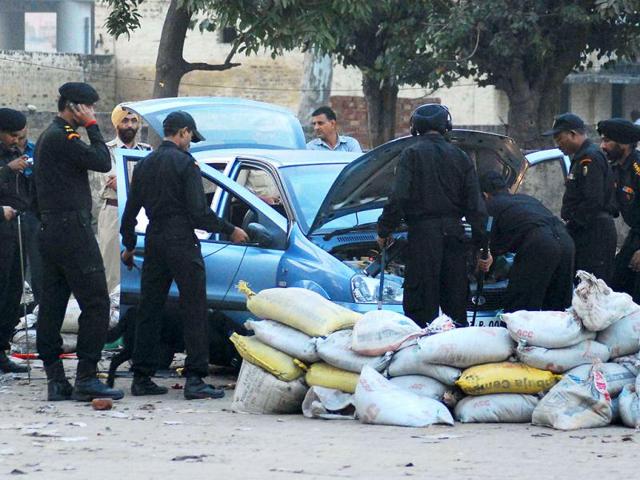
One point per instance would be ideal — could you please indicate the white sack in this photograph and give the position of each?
(71, 317)
(573, 404)
(496, 408)
(336, 351)
(381, 331)
(597, 305)
(421, 385)
(616, 376)
(630, 362)
(465, 347)
(408, 362)
(328, 404)
(257, 391)
(559, 360)
(623, 337)
(286, 339)
(380, 402)
(19, 342)
(546, 329)
(629, 404)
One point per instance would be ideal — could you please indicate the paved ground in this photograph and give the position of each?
(168, 437)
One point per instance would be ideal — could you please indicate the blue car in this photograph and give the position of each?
(311, 215)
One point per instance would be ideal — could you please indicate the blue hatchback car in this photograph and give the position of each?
(311, 215)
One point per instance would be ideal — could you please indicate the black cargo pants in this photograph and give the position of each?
(596, 246)
(172, 253)
(436, 271)
(71, 263)
(625, 279)
(10, 283)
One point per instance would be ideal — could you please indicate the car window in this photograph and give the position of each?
(545, 181)
(487, 160)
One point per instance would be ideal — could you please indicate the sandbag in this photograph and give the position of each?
(629, 404)
(286, 339)
(505, 377)
(278, 364)
(630, 362)
(464, 347)
(336, 350)
(324, 375)
(71, 316)
(380, 402)
(421, 385)
(616, 376)
(597, 305)
(546, 329)
(328, 404)
(381, 331)
(559, 360)
(299, 308)
(408, 362)
(573, 404)
(19, 342)
(623, 337)
(496, 408)
(257, 391)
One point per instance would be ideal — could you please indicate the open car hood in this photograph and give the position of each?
(227, 122)
(366, 183)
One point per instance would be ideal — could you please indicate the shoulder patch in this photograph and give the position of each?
(73, 135)
(585, 161)
(636, 168)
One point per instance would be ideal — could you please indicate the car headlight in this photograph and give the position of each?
(365, 290)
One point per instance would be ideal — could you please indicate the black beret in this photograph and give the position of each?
(12, 120)
(619, 130)
(492, 182)
(79, 92)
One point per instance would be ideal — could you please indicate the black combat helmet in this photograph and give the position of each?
(431, 116)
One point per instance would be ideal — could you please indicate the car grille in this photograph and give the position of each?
(493, 297)
(357, 237)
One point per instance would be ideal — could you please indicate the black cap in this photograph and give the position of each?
(492, 182)
(180, 119)
(12, 120)
(79, 92)
(431, 116)
(619, 130)
(565, 123)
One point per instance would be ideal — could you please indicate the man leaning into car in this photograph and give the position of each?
(168, 184)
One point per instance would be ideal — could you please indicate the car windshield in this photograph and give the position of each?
(309, 185)
(229, 126)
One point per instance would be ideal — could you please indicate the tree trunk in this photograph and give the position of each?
(381, 98)
(170, 64)
(316, 84)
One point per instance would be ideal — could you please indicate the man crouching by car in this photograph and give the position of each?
(168, 184)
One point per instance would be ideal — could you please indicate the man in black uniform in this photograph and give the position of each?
(542, 274)
(619, 141)
(15, 194)
(71, 260)
(435, 185)
(588, 202)
(168, 184)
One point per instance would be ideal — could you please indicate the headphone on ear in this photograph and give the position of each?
(422, 121)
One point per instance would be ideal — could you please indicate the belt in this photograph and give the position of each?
(112, 202)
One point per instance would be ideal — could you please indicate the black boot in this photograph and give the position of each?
(88, 387)
(143, 385)
(196, 389)
(9, 366)
(58, 387)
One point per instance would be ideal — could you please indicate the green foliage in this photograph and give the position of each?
(124, 17)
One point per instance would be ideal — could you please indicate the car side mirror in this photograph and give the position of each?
(259, 234)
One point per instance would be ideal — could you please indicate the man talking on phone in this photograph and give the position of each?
(70, 255)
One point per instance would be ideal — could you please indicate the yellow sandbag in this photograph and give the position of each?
(505, 377)
(324, 375)
(299, 308)
(278, 364)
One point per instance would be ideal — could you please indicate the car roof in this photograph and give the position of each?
(278, 158)
(144, 107)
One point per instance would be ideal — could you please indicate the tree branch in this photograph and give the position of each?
(190, 67)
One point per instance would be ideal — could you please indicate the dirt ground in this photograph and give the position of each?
(167, 437)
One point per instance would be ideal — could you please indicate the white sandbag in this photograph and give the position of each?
(71, 317)
(496, 408)
(336, 351)
(597, 305)
(573, 404)
(421, 385)
(630, 362)
(286, 339)
(464, 347)
(629, 404)
(623, 337)
(20, 343)
(257, 391)
(328, 404)
(616, 376)
(380, 402)
(381, 331)
(546, 329)
(409, 362)
(559, 360)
